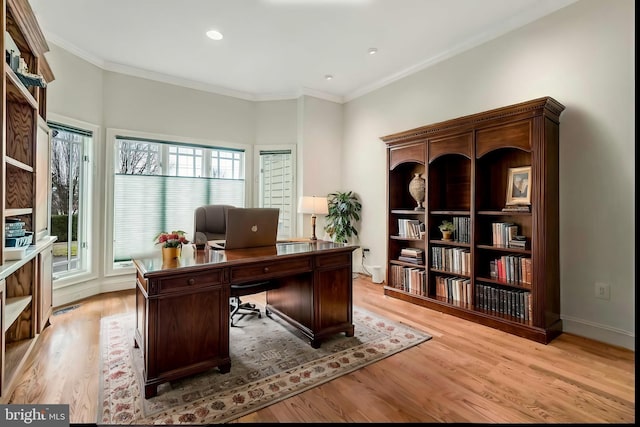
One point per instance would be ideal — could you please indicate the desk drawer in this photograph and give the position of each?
(186, 281)
(270, 269)
(333, 260)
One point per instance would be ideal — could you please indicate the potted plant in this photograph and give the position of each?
(171, 243)
(447, 228)
(344, 211)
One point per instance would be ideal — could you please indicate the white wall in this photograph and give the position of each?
(150, 106)
(77, 89)
(583, 56)
(320, 156)
(276, 122)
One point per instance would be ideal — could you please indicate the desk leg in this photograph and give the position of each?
(150, 391)
(350, 332)
(225, 368)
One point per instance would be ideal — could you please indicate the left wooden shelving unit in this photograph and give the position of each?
(26, 279)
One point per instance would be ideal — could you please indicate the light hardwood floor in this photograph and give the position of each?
(466, 373)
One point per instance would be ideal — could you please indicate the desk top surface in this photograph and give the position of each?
(208, 257)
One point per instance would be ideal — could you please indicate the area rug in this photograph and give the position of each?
(270, 361)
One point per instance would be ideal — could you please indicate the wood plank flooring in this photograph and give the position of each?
(466, 373)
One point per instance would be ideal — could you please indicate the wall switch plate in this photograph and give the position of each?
(603, 291)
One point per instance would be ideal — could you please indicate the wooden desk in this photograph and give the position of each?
(182, 309)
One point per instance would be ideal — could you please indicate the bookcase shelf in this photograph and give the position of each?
(449, 243)
(25, 294)
(16, 91)
(13, 307)
(504, 249)
(466, 163)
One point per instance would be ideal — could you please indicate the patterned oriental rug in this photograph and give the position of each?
(269, 363)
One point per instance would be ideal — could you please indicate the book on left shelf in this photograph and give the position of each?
(410, 228)
(412, 255)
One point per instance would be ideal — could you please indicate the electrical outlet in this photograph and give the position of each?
(603, 290)
(365, 250)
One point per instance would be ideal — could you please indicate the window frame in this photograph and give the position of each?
(91, 200)
(294, 179)
(122, 268)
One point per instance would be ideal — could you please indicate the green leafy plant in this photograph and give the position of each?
(344, 213)
(446, 226)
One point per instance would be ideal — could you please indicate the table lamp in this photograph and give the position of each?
(313, 205)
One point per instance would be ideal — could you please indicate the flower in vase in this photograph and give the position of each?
(175, 239)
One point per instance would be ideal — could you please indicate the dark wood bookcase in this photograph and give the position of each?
(466, 163)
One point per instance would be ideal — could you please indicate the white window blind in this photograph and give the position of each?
(277, 187)
(145, 205)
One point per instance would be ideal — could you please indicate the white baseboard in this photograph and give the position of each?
(598, 332)
(72, 293)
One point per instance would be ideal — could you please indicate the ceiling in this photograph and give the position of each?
(279, 49)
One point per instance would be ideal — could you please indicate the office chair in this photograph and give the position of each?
(242, 309)
(210, 223)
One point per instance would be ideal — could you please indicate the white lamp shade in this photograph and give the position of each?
(313, 205)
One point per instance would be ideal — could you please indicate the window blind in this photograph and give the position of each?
(145, 205)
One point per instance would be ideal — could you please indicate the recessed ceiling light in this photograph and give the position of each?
(328, 77)
(373, 51)
(214, 35)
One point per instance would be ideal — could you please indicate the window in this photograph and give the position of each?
(277, 187)
(70, 148)
(158, 184)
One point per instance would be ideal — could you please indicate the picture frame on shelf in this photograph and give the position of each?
(518, 186)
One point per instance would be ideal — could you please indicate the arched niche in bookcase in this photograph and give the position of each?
(450, 199)
(405, 249)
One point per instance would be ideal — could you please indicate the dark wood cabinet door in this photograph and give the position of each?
(333, 296)
(192, 328)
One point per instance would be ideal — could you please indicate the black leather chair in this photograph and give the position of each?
(242, 309)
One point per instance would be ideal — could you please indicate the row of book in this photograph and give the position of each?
(462, 232)
(512, 302)
(409, 279)
(412, 255)
(455, 290)
(505, 234)
(454, 260)
(410, 228)
(458, 291)
(511, 269)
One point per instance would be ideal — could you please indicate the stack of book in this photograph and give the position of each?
(517, 208)
(412, 255)
(15, 235)
(518, 242)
